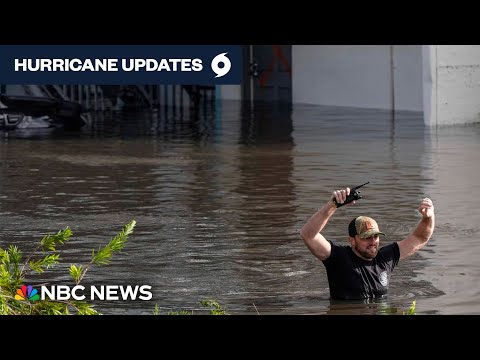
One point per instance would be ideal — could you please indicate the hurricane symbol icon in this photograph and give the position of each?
(221, 71)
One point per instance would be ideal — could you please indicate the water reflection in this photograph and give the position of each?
(265, 205)
(221, 193)
(266, 123)
(369, 307)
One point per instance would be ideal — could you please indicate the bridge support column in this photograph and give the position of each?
(451, 84)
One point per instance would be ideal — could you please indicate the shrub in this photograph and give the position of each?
(19, 299)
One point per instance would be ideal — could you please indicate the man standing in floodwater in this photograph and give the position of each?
(362, 270)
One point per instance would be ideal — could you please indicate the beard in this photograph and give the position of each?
(369, 253)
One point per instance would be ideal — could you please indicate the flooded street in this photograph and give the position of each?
(220, 199)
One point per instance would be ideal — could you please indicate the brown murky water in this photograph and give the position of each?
(219, 201)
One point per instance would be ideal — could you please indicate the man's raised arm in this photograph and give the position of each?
(310, 233)
(422, 233)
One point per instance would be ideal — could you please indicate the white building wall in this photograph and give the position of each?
(341, 75)
(408, 81)
(451, 84)
(365, 76)
(353, 75)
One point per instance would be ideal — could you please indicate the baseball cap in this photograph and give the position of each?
(364, 227)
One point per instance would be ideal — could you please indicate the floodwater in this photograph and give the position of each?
(219, 199)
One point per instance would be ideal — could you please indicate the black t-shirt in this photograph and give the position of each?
(351, 277)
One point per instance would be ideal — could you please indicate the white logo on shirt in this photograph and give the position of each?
(383, 278)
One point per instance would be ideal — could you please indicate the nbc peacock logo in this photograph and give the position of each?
(27, 292)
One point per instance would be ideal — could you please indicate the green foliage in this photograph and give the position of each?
(85, 309)
(49, 242)
(215, 308)
(104, 255)
(12, 277)
(181, 312)
(116, 244)
(11, 259)
(386, 309)
(76, 272)
(156, 311)
(45, 263)
(411, 311)
(212, 305)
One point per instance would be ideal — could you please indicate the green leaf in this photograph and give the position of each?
(49, 242)
(217, 309)
(411, 311)
(104, 255)
(15, 254)
(45, 263)
(76, 272)
(85, 308)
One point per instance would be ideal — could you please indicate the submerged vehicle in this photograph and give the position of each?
(23, 111)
